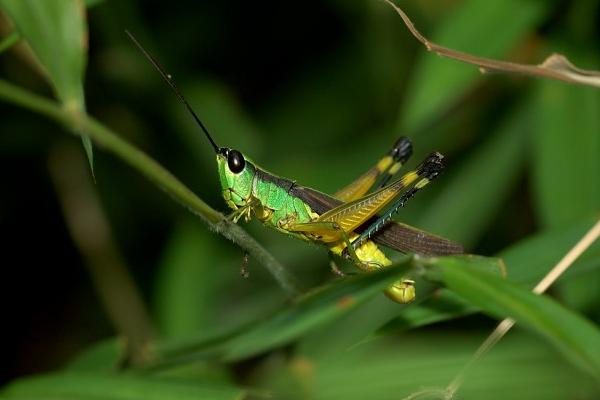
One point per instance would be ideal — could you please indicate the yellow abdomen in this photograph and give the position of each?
(372, 259)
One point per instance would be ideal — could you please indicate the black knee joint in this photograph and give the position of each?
(402, 150)
(432, 166)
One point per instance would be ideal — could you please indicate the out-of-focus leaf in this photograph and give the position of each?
(57, 32)
(224, 117)
(578, 338)
(532, 258)
(358, 325)
(92, 3)
(486, 28)
(103, 356)
(566, 153)
(188, 282)
(526, 262)
(520, 367)
(477, 189)
(305, 314)
(324, 107)
(7, 42)
(115, 387)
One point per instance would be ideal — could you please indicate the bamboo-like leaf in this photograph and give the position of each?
(57, 33)
(578, 338)
(188, 284)
(566, 153)
(102, 356)
(530, 259)
(305, 314)
(420, 365)
(526, 262)
(92, 3)
(7, 42)
(477, 188)
(84, 386)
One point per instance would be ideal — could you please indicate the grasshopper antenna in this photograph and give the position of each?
(167, 77)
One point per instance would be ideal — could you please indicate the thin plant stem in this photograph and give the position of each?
(76, 121)
(556, 66)
(92, 235)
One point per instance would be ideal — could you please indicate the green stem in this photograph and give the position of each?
(9, 41)
(104, 137)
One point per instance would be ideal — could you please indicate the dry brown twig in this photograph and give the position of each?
(556, 66)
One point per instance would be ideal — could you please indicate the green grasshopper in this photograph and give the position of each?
(348, 223)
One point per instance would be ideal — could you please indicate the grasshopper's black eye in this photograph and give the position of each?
(235, 161)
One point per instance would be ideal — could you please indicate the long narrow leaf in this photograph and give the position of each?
(477, 189)
(575, 336)
(566, 153)
(310, 311)
(57, 33)
(115, 387)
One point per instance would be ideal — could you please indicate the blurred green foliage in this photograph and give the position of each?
(314, 93)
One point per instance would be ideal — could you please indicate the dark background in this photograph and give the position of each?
(313, 91)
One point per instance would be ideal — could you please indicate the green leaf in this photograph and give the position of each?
(9, 41)
(521, 367)
(488, 28)
(188, 282)
(526, 262)
(92, 3)
(102, 356)
(531, 259)
(444, 306)
(566, 153)
(305, 314)
(575, 336)
(57, 33)
(115, 387)
(359, 324)
(477, 189)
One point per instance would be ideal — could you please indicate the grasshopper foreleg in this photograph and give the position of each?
(243, 211)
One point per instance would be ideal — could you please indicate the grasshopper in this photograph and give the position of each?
(351, 223)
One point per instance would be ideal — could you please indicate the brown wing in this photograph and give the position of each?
(317, 201)
(407, 239)
(397, 236)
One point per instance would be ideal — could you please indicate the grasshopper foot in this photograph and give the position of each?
(335, 269)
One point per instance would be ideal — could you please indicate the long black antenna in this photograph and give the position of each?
(167, 77)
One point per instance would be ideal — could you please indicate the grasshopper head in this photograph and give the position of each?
(236, 175)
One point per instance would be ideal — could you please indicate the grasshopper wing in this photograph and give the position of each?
(397, 236)
(408, 239)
